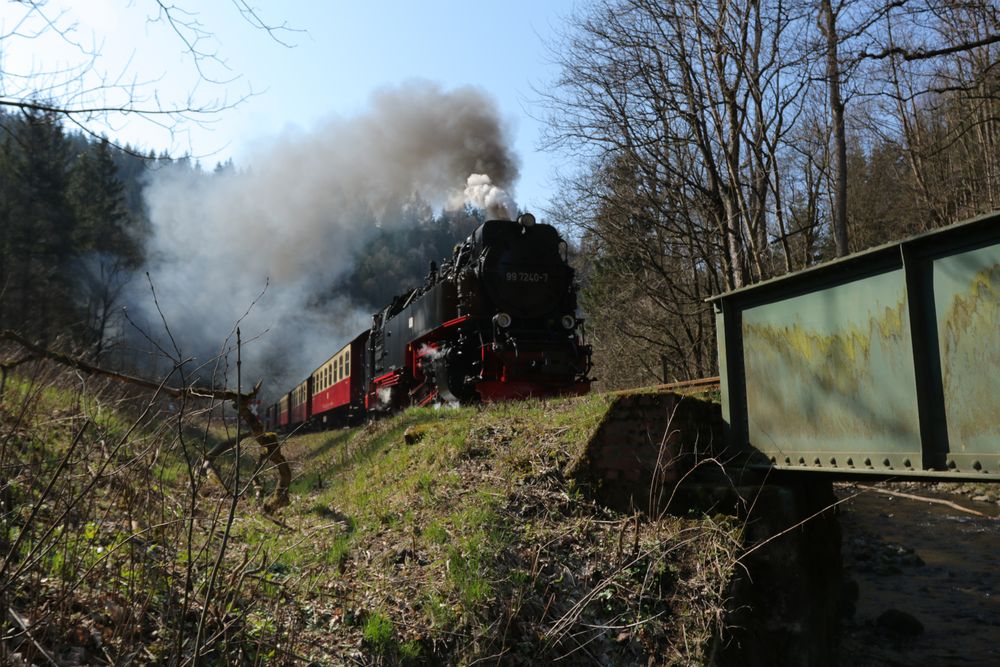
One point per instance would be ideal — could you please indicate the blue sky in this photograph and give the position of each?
(349, 49)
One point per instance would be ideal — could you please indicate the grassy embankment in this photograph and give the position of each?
(432, 536)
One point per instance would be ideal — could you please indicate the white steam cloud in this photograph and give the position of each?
(481, 193)
(431, 353)
(299, 214)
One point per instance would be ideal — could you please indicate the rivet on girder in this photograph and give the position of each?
(833, 461)
(887, 463)
(977, 465)
(868, 462)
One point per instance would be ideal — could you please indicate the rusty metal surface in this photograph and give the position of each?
(967, 294)
(887, 362)
(832, 376)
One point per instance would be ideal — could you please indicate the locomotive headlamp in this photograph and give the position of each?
(526, 220)
(503, 320)
(568, 322)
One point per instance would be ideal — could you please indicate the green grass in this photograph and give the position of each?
(378, 632)
(336, 555)
(402, 484)
(436, 533)
(432, 535)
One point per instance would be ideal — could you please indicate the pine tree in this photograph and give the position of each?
(6, 150)
(40, 228)
(106, 243)
(98, 199)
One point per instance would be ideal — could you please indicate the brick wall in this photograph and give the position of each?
(645, 445)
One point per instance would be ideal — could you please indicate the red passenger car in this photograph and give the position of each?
(283, 412)
(299, 409)
(338, 385)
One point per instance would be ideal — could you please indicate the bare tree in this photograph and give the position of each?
(680, 111)
(857, 34)
(943, 88)
(104, 278)
(724, 142)
(94, 94)
(800, 192)
(831, 39)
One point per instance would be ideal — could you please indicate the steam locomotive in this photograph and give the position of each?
(497, 321)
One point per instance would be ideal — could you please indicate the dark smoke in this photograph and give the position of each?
(298, 216)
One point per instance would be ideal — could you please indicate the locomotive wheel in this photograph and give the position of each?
(449, 376)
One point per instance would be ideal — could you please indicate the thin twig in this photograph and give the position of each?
(23, 624)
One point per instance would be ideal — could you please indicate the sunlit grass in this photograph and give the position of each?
(416, 535)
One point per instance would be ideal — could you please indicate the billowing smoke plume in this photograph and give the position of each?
(483, 194)
(299, 214)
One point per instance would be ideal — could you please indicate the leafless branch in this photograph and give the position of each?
(926, 54)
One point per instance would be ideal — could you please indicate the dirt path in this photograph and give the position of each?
(937, 567)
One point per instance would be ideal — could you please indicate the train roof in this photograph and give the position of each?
(330, 358)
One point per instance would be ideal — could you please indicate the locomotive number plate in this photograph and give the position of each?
(527, 277)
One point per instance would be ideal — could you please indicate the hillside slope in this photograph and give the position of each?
(440, 536)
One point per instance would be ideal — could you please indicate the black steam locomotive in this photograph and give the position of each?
(497, 321)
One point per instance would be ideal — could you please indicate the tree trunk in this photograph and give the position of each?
(828, 25)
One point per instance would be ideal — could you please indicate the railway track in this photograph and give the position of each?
(701, 384)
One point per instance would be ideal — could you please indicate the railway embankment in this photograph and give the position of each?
(433, 536)
(598, 530)
(505, 532)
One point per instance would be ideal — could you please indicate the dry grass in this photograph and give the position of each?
(450, 536)
(110, 531)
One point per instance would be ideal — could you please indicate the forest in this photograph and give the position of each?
(71, 229)
(74, 231)
(722, 144)
(713, 146)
